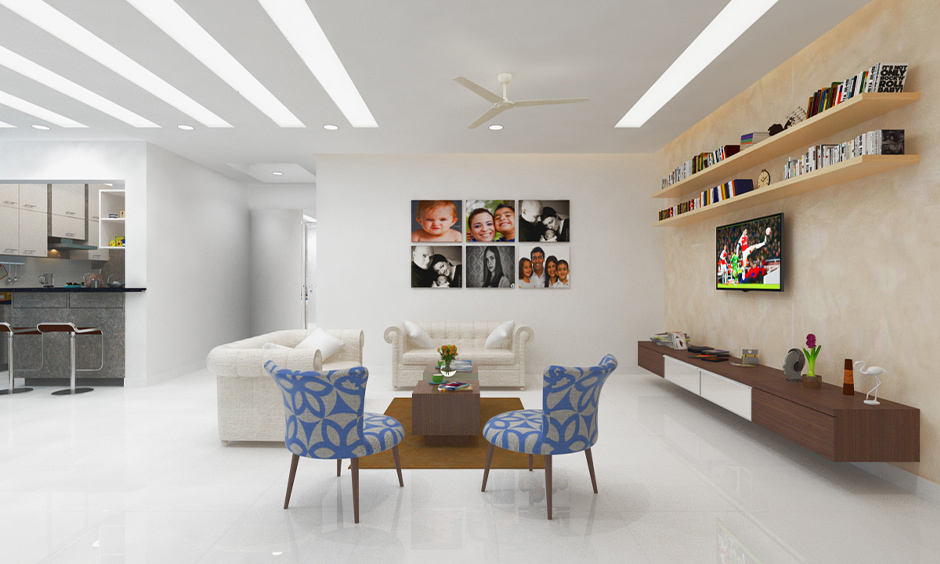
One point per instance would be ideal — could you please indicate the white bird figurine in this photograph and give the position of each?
(872, 371)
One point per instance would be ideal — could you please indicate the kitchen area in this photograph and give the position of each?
(62, 260)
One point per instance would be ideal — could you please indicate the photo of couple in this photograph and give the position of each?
(436, 267)
(538, 270)
(544, 221)
(436, 221)
(491, 266)
(490, 221)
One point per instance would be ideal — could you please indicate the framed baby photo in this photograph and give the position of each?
(438, 266)
(491, 221)
(491, 266)
(544, 221)
(544, 266)
(436, 221)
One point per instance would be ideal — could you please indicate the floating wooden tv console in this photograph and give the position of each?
(839, 427)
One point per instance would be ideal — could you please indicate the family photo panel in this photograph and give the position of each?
(439, 266)
(544, 221)
(491, 266)
(436, 221)
(491, 221)
(544, 266)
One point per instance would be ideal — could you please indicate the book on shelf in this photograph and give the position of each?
(878, 142)
(699, 163)
(753, 138)
(883, 77)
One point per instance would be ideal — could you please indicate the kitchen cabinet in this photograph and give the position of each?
(32, 232)
(67, 227)
(94, 205)
(68, 200)
(9, 195)
(9, 230)
(92, 254)
(34, 197)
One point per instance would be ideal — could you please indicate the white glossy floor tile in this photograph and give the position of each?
(138, 475)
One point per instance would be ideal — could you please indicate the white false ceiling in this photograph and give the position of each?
(402, 57)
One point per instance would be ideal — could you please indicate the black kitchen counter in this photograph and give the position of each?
(81, 289)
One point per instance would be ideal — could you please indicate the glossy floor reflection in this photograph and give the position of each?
(138, 475)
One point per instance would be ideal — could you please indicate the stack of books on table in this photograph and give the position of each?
(462, 365)
(454, 387)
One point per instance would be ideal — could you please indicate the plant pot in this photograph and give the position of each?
(446, 370)
(812, 381)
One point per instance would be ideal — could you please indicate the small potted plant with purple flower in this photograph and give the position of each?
(811, 380)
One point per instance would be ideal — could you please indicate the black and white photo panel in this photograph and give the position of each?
(436, 221)
(438, 266)
(491, 266)
(544, 266)
(544, 221)
(491, 221)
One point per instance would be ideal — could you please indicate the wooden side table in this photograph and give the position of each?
(446, 418)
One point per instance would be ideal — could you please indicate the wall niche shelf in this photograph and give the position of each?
(857, 110)
(851, 169)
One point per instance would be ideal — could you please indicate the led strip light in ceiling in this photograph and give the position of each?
(37, 111)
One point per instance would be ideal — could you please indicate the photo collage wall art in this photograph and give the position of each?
(490, 243)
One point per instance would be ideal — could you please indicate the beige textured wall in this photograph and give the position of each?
(862, 257)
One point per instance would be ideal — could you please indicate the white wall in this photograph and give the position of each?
(276, 270)
(197, 262)
(363, 250)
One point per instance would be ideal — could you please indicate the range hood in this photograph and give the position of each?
(69, 245)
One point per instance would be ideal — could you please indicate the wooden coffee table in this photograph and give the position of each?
(446, 418)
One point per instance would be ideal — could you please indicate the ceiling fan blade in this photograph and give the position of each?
(479, 90)
(548, 102)
(493, 112)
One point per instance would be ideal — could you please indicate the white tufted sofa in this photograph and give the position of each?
(250, 404)
(497, 367)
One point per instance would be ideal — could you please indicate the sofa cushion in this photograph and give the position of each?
(421, 357)
(418, 336)
(500, 337)
(326, 343)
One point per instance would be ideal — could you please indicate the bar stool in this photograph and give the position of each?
(72, 330)
(11, 331)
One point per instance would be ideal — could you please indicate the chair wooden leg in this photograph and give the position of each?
(548, 484)
(355, 480)
(290, 480)
(530, 463)
(401, 482)
(339, 467)
(486, 469)
(590, 459)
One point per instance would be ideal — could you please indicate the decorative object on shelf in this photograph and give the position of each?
(763, 179)
(872, 371)
(448, 354)
(750, 357)
(848, 382)
(795, 117)
(679, 340)
(793, 365)
(775, 129)
(47, 280)
(811, 379)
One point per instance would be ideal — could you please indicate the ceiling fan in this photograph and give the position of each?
(502, 103)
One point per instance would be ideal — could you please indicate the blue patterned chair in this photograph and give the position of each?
(324, 416)
(566, 423)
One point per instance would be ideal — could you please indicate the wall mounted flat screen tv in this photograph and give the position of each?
(749, 255)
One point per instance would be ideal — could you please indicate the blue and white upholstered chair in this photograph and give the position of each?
(325, 419)
(566, 423)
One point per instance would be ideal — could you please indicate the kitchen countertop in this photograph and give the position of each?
(74, 289)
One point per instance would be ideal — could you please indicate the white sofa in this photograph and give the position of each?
(505, 366)
(249, 403)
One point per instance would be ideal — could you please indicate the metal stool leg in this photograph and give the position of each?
(11, 390)
(72, 389)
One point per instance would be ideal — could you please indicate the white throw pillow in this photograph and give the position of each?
(501, 336)
(320, 339)
(418, 335)
(273, 346)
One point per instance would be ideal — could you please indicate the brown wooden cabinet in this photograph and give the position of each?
(839, 427)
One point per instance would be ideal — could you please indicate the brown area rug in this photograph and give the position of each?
(414, 453)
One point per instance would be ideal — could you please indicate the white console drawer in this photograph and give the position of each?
(681, 374)
(731, 395)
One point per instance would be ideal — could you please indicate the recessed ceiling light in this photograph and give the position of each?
(185, 127)
(63, 28)
(727, 26)
(277, 173)
(57, 82)
(330, 127)
(41, 127)
(168, 16)
(495, 127)
(36, 111)
(300, 27)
